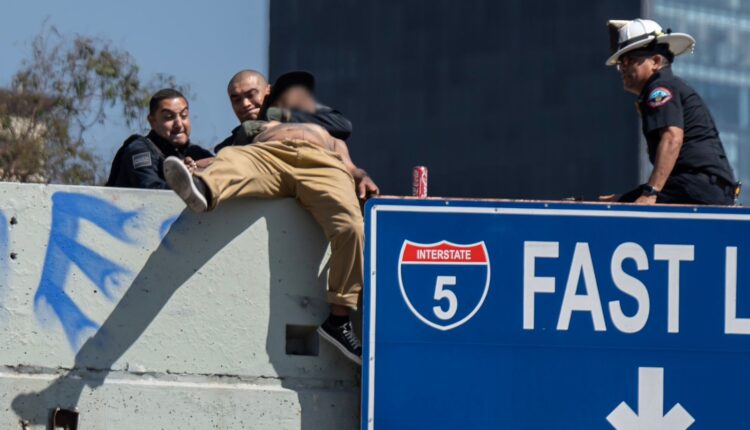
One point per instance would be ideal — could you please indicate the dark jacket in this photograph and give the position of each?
(332, 120)
(138, 162)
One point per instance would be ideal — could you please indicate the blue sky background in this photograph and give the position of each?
(201, 43)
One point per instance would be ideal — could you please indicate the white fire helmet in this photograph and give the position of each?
(626, 36)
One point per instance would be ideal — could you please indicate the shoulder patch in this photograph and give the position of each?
(659, 96)
(142, 159)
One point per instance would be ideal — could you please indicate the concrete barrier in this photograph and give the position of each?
(142, 315)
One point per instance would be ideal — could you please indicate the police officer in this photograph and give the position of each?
(689, 162)
(252, 99)
(138, 163)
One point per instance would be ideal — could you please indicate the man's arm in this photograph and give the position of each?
(365, 185)
(666, 156)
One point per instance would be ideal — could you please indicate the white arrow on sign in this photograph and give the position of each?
(650, 407)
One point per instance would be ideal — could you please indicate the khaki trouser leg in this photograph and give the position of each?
(319, 181)
(249, 171)
(327, 191)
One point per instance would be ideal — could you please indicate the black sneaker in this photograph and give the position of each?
(184, 184)
(343, 338)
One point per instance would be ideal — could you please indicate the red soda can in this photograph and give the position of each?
(419, 182)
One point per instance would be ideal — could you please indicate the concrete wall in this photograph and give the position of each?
(145, 316)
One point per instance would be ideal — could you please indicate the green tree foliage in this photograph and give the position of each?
(66, 86)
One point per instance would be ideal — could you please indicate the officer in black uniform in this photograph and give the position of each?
(690, 165)
(138, 163)
(252, 99)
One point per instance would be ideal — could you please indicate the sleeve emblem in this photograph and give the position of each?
(142, 159)
(659, 96)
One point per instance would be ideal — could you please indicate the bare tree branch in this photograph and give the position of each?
(67, 86)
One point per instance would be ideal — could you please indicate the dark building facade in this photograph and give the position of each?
(506, 99)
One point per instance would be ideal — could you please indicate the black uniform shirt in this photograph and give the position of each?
(138, 163)
(229, 141)
(332, 120)
(667, 101)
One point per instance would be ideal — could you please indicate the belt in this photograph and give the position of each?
(732, 189)
(717, 180)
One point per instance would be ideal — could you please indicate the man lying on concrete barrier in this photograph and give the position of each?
(138, 162)
(305, 162)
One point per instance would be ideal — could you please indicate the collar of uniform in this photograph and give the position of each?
(166, 147)
(665, 72)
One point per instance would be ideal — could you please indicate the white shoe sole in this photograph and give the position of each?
(322, 333)
(180, 180)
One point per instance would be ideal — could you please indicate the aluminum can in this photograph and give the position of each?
(419, 182)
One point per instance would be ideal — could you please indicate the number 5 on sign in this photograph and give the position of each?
(442, 293)
(419, 268)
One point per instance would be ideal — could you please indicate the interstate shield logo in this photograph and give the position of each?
(444, 284)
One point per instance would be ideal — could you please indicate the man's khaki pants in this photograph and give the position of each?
(318, 179)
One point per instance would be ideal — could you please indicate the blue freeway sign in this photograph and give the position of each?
(533, 315)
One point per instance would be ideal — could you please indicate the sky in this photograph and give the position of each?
(201, 43)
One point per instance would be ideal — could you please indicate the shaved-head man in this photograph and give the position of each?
(293, 102)
(247, 89)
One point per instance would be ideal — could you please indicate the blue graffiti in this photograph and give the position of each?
(64, 250)
(166, 225)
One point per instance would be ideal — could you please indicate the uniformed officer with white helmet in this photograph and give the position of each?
(689, 162)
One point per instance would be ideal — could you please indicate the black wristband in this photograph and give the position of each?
(648, 190)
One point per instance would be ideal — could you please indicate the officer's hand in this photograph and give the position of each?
(278, 114)
(609, 198)
(190, 163)
(645, 200)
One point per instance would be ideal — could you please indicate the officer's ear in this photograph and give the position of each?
(151, 119)
(660, 61)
